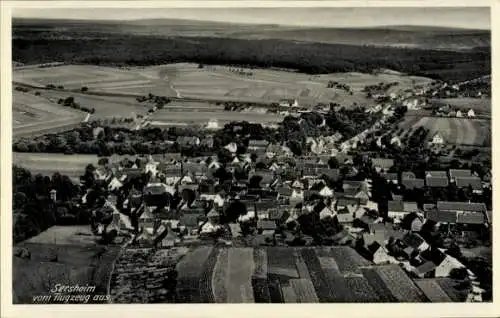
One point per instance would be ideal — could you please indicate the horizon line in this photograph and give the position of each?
(256, 23)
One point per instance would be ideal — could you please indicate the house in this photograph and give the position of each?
(326, 192)
(473, 182)
(413, 183)
(382, 164)
(459, 173)
(437, 140)
(288, 103)
(187, 141)
(436, 179)
(326, 212)
(396, 210)
(471, 113)
(157, 194)
(266, 227)
(345, 217)
(459, 113)
(376, 251)
(391, 177)
(257, 144)
(231, 147)
(461, 206)
(444, 263)
(414, 243)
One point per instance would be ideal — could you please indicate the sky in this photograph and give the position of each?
(461, 17)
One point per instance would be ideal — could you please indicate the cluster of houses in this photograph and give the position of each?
(282, 197)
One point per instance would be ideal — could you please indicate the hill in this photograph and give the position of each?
(392, 36)
(436, 53)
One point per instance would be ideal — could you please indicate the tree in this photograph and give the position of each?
(84, 89)
(333, 163)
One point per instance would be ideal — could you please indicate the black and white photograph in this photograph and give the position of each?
(239, 155)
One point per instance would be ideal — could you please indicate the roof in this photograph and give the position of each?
(413, 183)
(437, 173)
(345, 217)
(382, 163)
(266, 225)
(432, 290)
(347, 201)
(428, 206)
(187, 140)
(442, 216)
(407, 175)
(436, 182)
(391, 176)
(258, 143)
(470, 218)
(395, 206)
(265, 204)
(276, 213)
(474, 182)
(461, 206)
(460, 173)
(190, 219)
(413, 240)
(333, 174)
(284, 191)
(410, 207)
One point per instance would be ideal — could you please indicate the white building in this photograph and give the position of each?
(459, 113)
(437, 140)
(471, 113)
(289, 103)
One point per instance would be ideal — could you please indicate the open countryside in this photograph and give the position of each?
(177, 161)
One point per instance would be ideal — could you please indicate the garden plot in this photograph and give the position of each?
(239, 282)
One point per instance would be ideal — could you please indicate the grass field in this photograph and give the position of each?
(77, 262)
(36, 114)
(47, 164)
(214, 82)
(166, 115)
(295, 275)
(460, 131)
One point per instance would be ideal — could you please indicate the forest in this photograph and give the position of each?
(311, 58)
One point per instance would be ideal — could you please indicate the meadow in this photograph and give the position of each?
(455, 131)
(66, 255)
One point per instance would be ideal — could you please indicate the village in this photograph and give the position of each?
(267, 196)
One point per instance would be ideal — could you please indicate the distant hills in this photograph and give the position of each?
(421, 37)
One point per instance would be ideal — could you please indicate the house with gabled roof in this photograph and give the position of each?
(413, 183)
(436, 179)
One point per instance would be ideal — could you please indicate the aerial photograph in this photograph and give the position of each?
(251, 155)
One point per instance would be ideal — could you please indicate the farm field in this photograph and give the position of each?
(105, 106)
(166, 115)
(36, 115)
(293, 275)
(77, 262)
(459, 131)
(214, 82)
(47, 164)
(481, 106)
